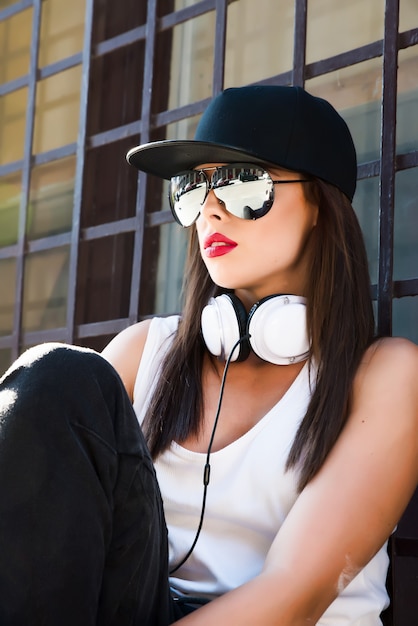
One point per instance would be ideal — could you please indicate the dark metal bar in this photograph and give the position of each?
(358, 55)
(54, 155)
(78, 188)
(14, 85)
(9, 252)
(280, 79)
(47, 243)
(107, 230)
(404, 288)
(387, 171)
(60, 66)
(404, 161)
(345, 59)
(408, 38)
(120, 41)
(188, 13)
(299, 42)
(109, 136)
(11, 168)
(221, 9)
(158, 218)
(23, 210)
(95, 329)
(174, 115)
(40, 336)
(18, 7)
(151, 31)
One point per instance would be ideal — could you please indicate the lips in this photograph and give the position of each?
(218, 245)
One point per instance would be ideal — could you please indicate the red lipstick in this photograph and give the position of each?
(218, 245)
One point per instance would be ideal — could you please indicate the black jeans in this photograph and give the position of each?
(83, 539)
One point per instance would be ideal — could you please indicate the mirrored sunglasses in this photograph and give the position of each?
(246, 190)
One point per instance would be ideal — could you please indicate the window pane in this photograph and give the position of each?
(261, 47)
(51, 198)
(172, 254)
(356, 93)
(110, 184)
(45, 289)
(335, 27)
(15, 38)
(405, 316)
(104, 278)
(62, 30)
(10, 196)
(407, 118)
(192, 61)
(7, 300)
(112, 18)
(12, 125)
(408, 14)
(405, 263)
(57, 110)
(111, 103)
(366, 206)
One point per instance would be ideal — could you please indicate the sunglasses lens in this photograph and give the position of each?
(246, 190)
(187, 192)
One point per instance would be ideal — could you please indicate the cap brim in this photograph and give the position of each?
(168, 158)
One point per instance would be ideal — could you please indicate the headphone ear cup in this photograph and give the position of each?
(278, 331)
(223, 323)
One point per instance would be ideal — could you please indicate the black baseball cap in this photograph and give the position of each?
(263, 124)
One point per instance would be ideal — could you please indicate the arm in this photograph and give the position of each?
(348, 510)
(124, 352)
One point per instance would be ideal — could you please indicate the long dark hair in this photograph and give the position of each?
(340, 322)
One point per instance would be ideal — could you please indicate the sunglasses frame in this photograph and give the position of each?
(210, 187)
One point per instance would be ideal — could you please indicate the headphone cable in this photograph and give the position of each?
(206, 471)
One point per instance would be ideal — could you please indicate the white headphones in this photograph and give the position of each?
(275, 328)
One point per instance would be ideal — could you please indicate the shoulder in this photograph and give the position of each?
(125, 350)
(389, 367)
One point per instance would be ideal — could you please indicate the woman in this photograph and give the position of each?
(284, 436)
(314, 454)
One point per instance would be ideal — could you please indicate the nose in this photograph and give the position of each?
(213, 208)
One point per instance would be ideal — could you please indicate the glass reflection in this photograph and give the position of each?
(62, 30)
(192, 56)
(10, 197)
(172, 254)
(258, 48)
(356, 93)
(407, 106)
(405, 262)
(12, 125)
(366, 206)
(335, 27)
(405, 316)
(7, 300)
(57, 110)
(15, 38)
(51, 198)
(45, 289)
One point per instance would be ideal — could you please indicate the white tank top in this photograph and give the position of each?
(249, 496)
